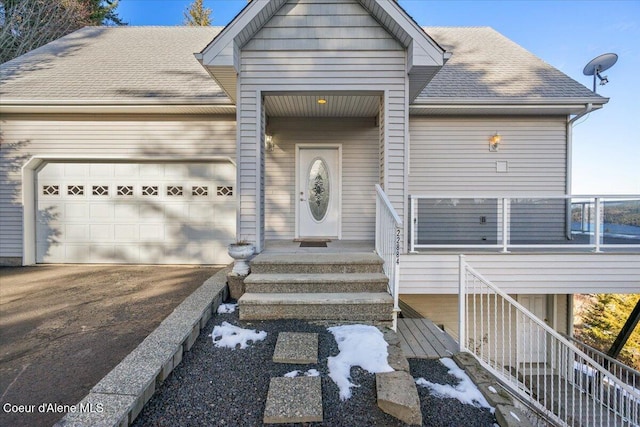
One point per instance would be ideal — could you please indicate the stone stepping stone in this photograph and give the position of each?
(296, 348)
(294, 400)
(398, 396)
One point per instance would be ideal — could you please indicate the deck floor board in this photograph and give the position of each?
(420, 338)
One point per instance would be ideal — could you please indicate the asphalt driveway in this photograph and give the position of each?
(63, 327)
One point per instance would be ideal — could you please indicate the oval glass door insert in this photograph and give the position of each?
(319, 187)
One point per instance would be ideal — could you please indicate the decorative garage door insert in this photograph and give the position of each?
(148, 213)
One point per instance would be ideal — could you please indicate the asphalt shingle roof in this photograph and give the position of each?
(115, 63)
(156, 64)
(487, 65)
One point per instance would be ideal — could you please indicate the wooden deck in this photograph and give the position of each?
(422, 339)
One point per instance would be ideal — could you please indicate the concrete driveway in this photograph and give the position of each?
(63, 327)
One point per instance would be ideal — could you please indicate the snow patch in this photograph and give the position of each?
(228, 335)
(466, 391)
(514, 416)
(359, 345)
(227, 308)
(492, 389)
(309, 373)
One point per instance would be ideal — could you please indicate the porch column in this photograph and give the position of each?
(250, 168)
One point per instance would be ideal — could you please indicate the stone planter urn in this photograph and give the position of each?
(241, 252)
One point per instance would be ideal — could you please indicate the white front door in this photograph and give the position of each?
(318, 189)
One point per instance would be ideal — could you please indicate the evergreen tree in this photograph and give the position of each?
(603, 318)
(197, 15)
(28, 24)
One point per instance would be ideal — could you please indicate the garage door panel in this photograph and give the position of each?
(102, 232)
(76, 232)
(152, 233)
(100, 211)
(151, 170)
(75, 170)
(135, 213)
(74, 211)
(126, 211)
(200, 211)
(152, 211)
(126, 170)
(126, 233)
(101, 170)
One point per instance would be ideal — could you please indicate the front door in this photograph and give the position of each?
(318, 189)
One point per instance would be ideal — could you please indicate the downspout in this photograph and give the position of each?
(569, 157)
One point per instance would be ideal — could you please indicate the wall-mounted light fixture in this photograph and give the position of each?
(494, 142)
(322, 100)
(268, 143)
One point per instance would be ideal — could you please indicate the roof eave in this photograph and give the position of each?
(426, 101)
(173, 106)
(505, 107)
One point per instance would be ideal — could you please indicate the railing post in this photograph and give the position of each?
(413, 224)
(505, 225)
(462, 306)
(396, 279)
(598, 221)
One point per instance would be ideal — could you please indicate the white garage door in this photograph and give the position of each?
(148, 213)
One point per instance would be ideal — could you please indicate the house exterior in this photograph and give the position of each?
(163, 145)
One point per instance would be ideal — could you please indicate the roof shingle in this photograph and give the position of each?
(156, 64)
(121, 64)
(487, 65)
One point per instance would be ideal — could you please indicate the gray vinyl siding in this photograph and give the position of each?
(524, 273)
(451, 156)
(359, 140)
(323, 47)
(90, 136)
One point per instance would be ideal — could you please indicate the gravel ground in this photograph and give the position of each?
(223, 387)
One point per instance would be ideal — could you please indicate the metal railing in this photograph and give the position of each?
(388, 236)
(525, 222)
(538, 363)
(625, 373)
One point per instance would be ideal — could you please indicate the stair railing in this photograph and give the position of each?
(388, 237)
(536, 362)
(625, 373)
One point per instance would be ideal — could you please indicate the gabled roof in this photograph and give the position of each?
(115, 65)
(488, 68)
(221, 59)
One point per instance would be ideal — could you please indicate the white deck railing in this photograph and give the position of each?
(536, 362)
(388, 235)
(524, 222)
(626, 374)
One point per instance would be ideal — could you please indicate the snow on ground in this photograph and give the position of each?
(228, 335)
(227, 308)
(309, 373)
(466, 391)
(359, 345)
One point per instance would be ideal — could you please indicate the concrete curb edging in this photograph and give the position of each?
(120, 396)
(507, 415)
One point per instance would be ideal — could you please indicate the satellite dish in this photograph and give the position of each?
(598, 65)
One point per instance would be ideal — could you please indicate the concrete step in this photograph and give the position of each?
(398, 396)
(316, 283)
(318, 306)
(294, 400)
(317, 263)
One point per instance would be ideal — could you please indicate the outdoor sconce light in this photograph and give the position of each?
(322, 100)
(494, 142)
(268, 143)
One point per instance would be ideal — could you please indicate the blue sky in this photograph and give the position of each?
(566, 34)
